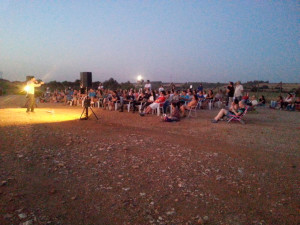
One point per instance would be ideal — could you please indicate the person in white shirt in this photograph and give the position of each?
(31, 84)
(238, 91)
(148, 85)
(100, 87)
(161, 88)
(253, 101)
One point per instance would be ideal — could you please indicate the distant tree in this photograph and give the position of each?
(68, 83)
(254, 89)
(127, 85)
(111, 84)
(185, 86)
(54, 85)
(95, 84)
(77, 83)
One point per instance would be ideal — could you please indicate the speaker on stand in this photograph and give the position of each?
(85, 83)
(86, 79)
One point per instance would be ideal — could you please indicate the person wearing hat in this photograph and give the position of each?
(31, 84)
(238, 91)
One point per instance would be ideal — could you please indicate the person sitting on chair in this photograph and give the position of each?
(190, 105)
(114, 99)
(261, 101)
(92, 96)
(128, 99)
(280, 102)
(288, 100)
(209, 98)
(168, 101)
(156, 103)
(184, 97)
(231, 111)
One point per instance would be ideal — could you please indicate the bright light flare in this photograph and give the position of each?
(41, 115)
(26, 88)
(139, 77)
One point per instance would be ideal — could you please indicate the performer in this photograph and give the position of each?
(31, 84)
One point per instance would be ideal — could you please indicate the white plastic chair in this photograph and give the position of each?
(193, 110)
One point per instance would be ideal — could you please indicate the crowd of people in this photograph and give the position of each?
(146, 100)
(289, 103)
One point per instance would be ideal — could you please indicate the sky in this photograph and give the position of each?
(170, 41)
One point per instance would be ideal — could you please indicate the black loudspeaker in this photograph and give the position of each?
(86, 79)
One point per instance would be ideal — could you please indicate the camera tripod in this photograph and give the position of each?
(86, 106)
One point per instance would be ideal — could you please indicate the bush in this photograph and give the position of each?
(111, 84)
(254, 89)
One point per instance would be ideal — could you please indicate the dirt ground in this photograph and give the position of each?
(127, 169)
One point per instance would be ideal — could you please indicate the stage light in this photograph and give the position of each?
(139, 78)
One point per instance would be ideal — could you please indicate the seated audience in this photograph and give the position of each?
(288, 101)
(114, 99)
(219, 96)
(184, 97)
(175, 115)
(245, 98)
(210, 95)
(190, 105)
(232, 111)
(252, 103)
(261, 101)
(209, 98)
(168, 101)
(127, 99)
(161, 99)
(92, 95)
(279, 102)
(150, 99)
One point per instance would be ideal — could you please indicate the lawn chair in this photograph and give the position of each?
(238, 118)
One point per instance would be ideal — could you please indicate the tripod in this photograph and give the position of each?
(87, 105)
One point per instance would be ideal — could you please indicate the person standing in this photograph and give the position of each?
(161, 88)
(238, 92)
(148, 85)
(31, 84)
(230, 93)
(200, 88)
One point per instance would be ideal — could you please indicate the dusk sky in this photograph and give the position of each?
(179, 41)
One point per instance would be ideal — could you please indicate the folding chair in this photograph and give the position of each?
(238, 118)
